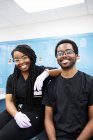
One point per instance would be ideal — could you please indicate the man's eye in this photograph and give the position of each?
(68, 51)
(59, 53)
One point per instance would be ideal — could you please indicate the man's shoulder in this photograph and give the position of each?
(86, 75)
(53, 81)
(87, 80)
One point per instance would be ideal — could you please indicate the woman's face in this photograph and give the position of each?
(22, 61)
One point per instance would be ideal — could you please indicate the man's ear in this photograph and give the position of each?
(78, 57)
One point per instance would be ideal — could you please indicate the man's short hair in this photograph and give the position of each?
(74, 45)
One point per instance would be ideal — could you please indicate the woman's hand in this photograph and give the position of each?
(22, 120)
(39, 80)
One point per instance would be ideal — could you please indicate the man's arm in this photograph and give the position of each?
(87, 132)
(49, 125)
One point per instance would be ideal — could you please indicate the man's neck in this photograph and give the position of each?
(69, 73)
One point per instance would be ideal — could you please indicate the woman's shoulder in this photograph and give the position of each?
(10, 77)
(39, 67)
(39, 70)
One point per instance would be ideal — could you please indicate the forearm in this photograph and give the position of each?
(50, 130)
(39, 80)
(54, 72)
(10, 107)
(87, 132)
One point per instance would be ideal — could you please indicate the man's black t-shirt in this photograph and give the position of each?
(70, 98)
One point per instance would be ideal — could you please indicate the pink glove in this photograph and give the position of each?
(22, 120)
(39, 80)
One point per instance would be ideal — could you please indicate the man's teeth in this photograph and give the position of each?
(64, 61)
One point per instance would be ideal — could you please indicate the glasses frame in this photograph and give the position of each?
(66, 52)
(23, 58)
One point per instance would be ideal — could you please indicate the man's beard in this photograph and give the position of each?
(69, 66)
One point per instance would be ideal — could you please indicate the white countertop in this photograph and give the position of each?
(2, 96)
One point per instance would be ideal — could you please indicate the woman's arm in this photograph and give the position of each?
(54, 72)
(10, 107)
(39, 80)
(21, 119)
(49, 125)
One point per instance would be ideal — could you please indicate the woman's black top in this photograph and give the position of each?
(22, 89)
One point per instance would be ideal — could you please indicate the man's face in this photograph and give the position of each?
(66, 56)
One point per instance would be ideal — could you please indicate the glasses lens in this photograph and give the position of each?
(69, 51)
(16, 60)
(66, 52)
(60, 53)
(23, 58)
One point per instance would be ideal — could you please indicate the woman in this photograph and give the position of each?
(24, 114)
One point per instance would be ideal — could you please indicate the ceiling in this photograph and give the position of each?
(12, 15)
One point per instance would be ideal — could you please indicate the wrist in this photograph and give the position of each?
(46, 73)
(17, 112)
(14, 113)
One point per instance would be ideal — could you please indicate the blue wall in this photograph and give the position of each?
(44, 48)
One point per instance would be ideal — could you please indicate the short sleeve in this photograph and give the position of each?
(40, 69)
(9, 85)
(49, 98)
(91, 92)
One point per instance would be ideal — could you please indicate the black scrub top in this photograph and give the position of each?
(70, 98)
(22, 88)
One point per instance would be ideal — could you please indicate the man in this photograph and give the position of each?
(69, 98)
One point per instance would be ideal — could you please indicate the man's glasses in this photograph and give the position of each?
(23, 58)
(66, 52)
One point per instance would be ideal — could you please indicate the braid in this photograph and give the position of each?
(15, 78)
(27, 50)
(31, 80)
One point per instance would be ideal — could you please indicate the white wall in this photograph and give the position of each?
(49, 29)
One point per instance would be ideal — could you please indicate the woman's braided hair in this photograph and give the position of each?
(27, 50)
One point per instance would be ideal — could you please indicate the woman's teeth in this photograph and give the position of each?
(24, 66)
